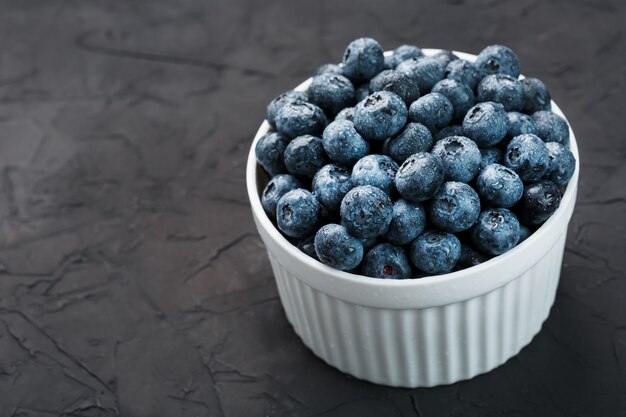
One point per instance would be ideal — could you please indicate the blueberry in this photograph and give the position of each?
(331, 92)
(414, 138)
(528, 156)
(551, 127)
(499, 186)
(445, 57)
(435, 252)
(463, 71)
(520, 124)
(278, 186)
(368, 243)
(408, 222)
(524, 233)
(420, 176)
(345, 114)
(279, 102)
(307, 245)
(496, 231)
(362, 92)
(401, 54)
(454, 208)
(298, 213)
(386, 261)
(562, 164)
(471, 257)
(380, 116)
(375, 170)
(503, 89)
(300, 118)
(397, 82)
(335, 247)
(366, 211)
(486, 124)
(304, 156)
(536, 96)
(433, 110)
(539, 202)
(491, 155)
(269, 153)
(426, 71)
(497, 59)
(330, 184)
(459, 94)
(329, 69)
(343, 144)
(452, 130)
(363, 59)
(460, 157)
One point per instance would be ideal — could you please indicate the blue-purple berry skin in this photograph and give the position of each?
(304, 156)
(471, 257)
(401, 54)
(498, 59)
(397, 82)
(337, 248)
(551, 127)
(502, 89)
(452, 130)
(433, 110)
(445, 57)
(459, 94)
(536, 96)
(298, 213)
(278, 186)
(408, 222)
(331, 93)
(420, 177)
(539, 202)
(463, 71)
(363, 59)
(346, 114)
(366, 211)
(413, 138)
(435, 252)
(343, 144)
(490, 155)
(499, 186)
(279, 102)
(300, 118)
(426, 71)
(386, 261)
(486, 124)
(496, 231)
(307, 245)
(528, 156)
(269, 151)
(362, 91)
(524, 233)
(330, 184)
(381, 115)
(460, 157)
(562, 164)
(520, 124)
(454, 208)
(375, 170)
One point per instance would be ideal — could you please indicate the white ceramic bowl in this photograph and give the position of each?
(418, 332)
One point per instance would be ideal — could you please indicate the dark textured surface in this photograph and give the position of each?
(133, 282)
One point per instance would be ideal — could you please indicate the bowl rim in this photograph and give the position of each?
(443, 280)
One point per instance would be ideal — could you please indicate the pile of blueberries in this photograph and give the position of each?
(405, 165)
